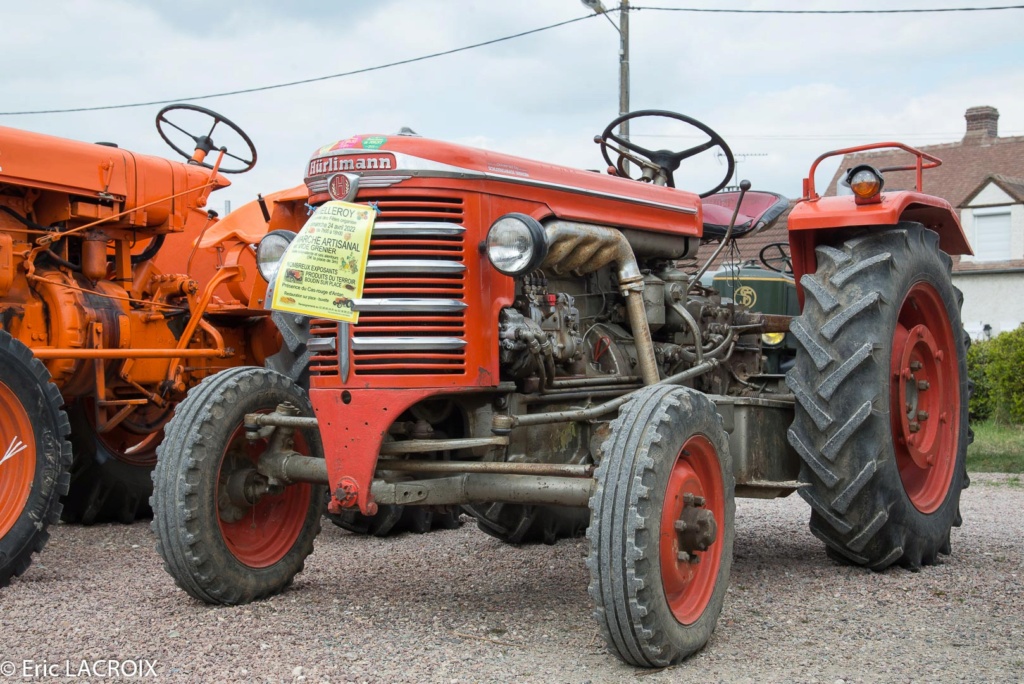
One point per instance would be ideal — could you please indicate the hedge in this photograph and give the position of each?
(997, 368)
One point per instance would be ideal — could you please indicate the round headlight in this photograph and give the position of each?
(270, 252)
(773, 338)
(516, 244)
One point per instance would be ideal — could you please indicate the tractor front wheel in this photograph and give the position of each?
(881, 388)
(34, 456)
(223, 538)
(661, 529)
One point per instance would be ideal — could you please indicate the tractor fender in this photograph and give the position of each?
(812, 220)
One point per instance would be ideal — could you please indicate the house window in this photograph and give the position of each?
(992, 235)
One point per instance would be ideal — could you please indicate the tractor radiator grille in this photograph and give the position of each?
(412, 312)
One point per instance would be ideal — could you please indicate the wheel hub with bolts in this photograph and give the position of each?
(914, 380)
(696, 528)
(924, 374)
(243, 489)
(259, 516)
(689, 530)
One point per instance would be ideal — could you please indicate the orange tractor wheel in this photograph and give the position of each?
(34, 456)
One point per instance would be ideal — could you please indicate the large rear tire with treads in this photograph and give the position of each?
(881, 387)
(35, 456)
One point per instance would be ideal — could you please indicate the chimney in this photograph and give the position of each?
(982, 122)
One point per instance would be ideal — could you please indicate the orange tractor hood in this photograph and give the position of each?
(103, 172)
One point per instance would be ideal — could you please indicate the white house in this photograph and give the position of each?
(993, 279)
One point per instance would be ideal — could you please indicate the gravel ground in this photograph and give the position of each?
(458, 606)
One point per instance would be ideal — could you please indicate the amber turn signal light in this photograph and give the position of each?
(866, 183)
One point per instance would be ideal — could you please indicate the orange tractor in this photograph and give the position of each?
(109, 312)
(534, 344)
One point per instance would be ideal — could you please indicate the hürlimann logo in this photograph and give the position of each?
(350, 163)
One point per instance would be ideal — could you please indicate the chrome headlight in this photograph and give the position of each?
(270, 252)
(772, 339)
(516, 244)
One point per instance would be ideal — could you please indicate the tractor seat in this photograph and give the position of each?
(758, 211)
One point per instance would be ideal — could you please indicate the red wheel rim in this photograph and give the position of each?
(925, 398)
(17, 458)
(265, 532)
(690, 583)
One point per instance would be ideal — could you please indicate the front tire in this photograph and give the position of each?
(34, 456)
(881, 388)
(219, 549)
(661, 529)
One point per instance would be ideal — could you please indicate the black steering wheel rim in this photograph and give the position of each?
(666, 159)
(783, 258)
(205, 142)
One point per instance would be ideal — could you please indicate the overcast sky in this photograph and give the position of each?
(786, 87)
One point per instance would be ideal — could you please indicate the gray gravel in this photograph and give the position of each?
(458, 606)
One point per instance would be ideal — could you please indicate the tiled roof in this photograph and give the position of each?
(965, 165)
(1014, 187)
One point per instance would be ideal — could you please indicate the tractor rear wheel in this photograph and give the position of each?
(881, 387)
(111, 474)
(524, 524)
(34, 456)
(219, 545)
(661, 531)
(393, 519)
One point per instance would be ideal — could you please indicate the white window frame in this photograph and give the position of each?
(1003, 210)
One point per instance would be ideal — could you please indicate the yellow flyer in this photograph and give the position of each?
(322, 272)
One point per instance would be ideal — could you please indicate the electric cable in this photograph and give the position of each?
(315, 79)
(922, 10)
(275, 86)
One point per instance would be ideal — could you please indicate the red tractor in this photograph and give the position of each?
(109, 312)
(534, 344)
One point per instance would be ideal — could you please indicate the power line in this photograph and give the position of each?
(925, 10)
(305, 80)
(492, 42)
(820, 136)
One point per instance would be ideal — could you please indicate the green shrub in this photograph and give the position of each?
(997, 368)
(978, 357)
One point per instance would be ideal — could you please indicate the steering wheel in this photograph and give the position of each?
(666, 161)
(775, 257)
(204, 143)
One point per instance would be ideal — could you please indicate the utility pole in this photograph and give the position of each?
(624, 66)
(623, 28)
